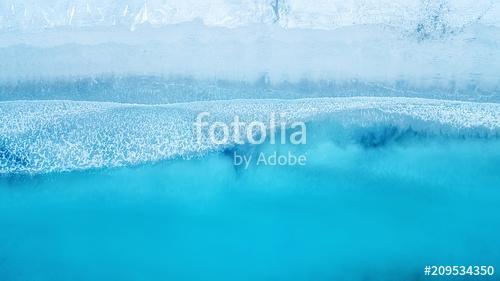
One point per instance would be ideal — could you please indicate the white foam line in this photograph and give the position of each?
(363, 98)
(49, 136)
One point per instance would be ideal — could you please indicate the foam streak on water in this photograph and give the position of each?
(52, 136)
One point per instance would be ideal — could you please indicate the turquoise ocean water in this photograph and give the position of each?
(104, 175)
(380, 208)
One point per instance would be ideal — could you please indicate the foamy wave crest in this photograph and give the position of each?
(55, 136)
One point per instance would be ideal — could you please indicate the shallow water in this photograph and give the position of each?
(104, 177)
(355, 212)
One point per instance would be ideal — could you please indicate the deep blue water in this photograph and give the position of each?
(356, 211)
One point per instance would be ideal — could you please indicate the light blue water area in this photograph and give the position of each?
(370, 210)
(104, 177)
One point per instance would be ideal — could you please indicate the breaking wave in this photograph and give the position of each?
(54, 136)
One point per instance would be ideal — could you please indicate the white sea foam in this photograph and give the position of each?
(446, 45)
(51, 136)
(321, 14)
